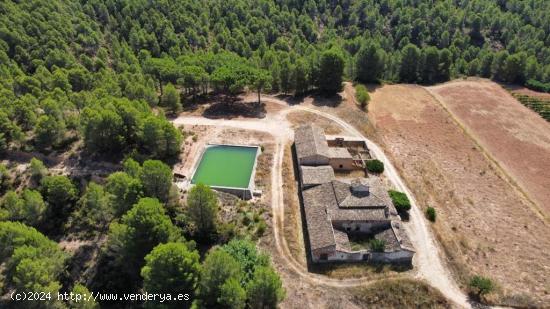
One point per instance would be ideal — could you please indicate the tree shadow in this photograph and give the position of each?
(318, 99)
(328, 101)
(371, 88)
(405, 216)
(20, 156)
(229, 107)
(291, 99)
(79, 264)
(191, 104)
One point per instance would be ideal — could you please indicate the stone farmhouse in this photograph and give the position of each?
(339, 153)
(340, 216)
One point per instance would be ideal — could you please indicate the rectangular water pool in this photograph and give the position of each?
(226, 166)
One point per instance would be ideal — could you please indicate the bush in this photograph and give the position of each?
(226, 232)
(375, 166)
(5, 179)
(377, 245)
(400, 200)
(536, 85)
(430, 214)
(38, 169)
(481, 285)
(260, 230)
(362, 95)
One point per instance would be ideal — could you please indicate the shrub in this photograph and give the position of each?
(400, 200)
(226, 232)
(247, 219)
(536, 85)
(260, 230)
(362, 95)
(377, 245)
(430, 214)
(481, 285)
(38, 169)
(5, 179)
(375, 166)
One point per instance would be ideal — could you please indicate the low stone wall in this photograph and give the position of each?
(396, 257)
(244, 193)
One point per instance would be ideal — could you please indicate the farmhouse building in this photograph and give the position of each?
(311, 146)
(312, 149)
(339, 213)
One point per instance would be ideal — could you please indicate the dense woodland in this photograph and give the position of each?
(93, 69)
(99, 78)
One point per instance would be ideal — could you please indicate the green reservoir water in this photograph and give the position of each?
(226, 166)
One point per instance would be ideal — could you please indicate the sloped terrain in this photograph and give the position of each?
(516, 137)
(484, 224)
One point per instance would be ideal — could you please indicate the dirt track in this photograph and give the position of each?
(428, 263)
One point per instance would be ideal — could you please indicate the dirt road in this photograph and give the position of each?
(428, 263)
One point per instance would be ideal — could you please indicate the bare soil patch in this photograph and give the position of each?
(192, 147)
(515, 136)
(342, 105)
(299, 118)
(484, 225)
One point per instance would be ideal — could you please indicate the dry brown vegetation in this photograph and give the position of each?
(412, 294)
(299, 118)
(484, 224)
(361, 270)
(513, 135)
(292, 229)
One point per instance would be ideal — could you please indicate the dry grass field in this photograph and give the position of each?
(412, 294)
(516, 137)
(299, 118)
(484, 224)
